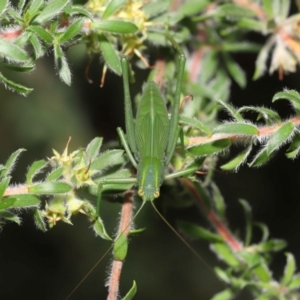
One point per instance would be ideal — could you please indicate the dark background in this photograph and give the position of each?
(37, 265)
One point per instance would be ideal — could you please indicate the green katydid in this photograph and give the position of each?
(150, 140)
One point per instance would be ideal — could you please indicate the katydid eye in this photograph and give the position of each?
(156, 194)
(141, 192)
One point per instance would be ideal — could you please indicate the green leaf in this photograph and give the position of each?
(7, 203)
(210, 65)
(198, 232)
(62, 65)
(120, 247)
(280, 137)
(267, 4)
(25, 200)
(50, 188)
(265, 231)
(236, 72)
(71, 31)
(110, 55)
(115, 26)
(15, 87)
(290, 95)
(34, 6)
(52, 9)
(39, 221)
(3, 5)
(224, 295)
(248, 217)
(12, 52)
(209, 147)
(232, 111)
(219, 202)
(295, 282)
(251, 24)
(3, 185)
(41, 32)
(55, 174)
(100, 229)
(268, 115)
(28, 67)
(136, 231)
(262, 272)
(240, 46)
(93, 148)
(10, 163)
(109, 158)
(224, 253)
(76, 9)
(153, 8)
(112, 7)
(236, 129)
(193, 7)
(10, 216)
(284, 9)
(289, 269)
(261, 61)
(21, 5)
(131, 292)
(272, 245)
(37, 47)
(35, 169)
(195, 124)
(234, 11)
(294, 148)
(222, 275)
(236, 162)
(261, 158)
(251, 258)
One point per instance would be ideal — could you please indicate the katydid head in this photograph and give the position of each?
(150, 175)
(148, 193)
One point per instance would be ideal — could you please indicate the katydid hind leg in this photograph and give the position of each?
(129, 124)
(173, 129)
(126, 147)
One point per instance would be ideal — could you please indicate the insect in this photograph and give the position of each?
(150, 140)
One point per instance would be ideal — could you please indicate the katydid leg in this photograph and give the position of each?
(128, 107)
(173, 129)
(111, 181)
(126, 147)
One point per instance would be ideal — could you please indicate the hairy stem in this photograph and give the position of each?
(124, 228)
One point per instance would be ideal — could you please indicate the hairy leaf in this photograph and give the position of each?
(11, 51)
(236, 129)
(110, 55)
(112, 7)
(34, 169)
(115, 26)
(93, 148)
(50, 188)
(10, 163)
(130, 294)
(52, 9)
(209, 147)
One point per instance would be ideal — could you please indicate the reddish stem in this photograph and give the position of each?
(124, 228)
(223, 231)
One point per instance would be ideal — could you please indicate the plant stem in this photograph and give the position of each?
(124, 228)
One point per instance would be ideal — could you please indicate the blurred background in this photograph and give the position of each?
(37, 265)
